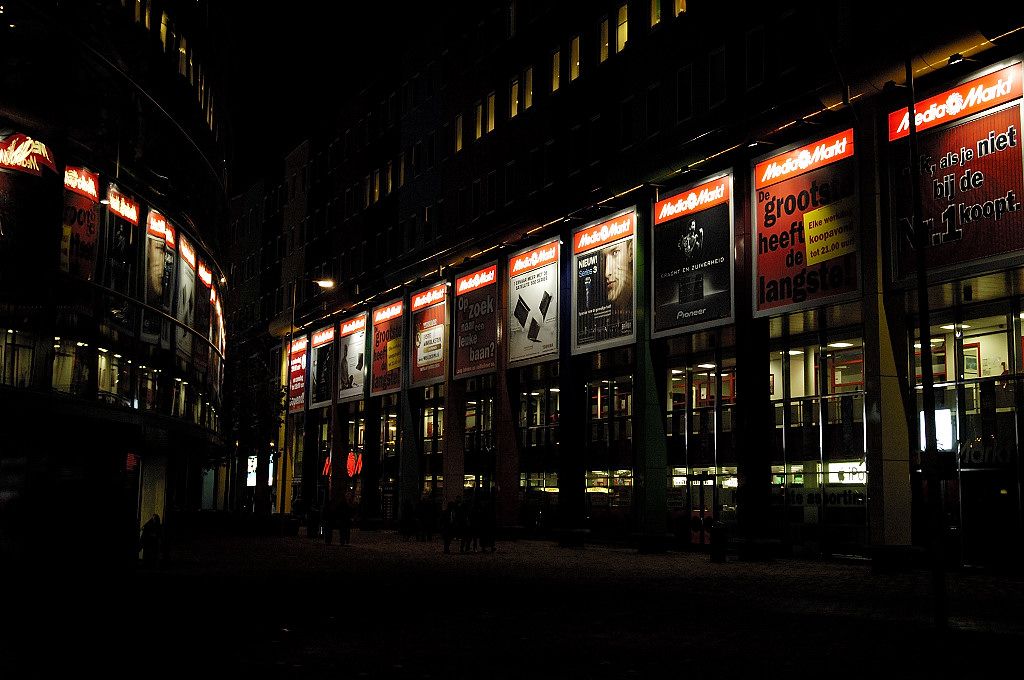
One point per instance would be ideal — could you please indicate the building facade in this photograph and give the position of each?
(112, 328)
(567, 239)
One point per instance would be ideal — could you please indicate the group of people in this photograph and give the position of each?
(471, 523)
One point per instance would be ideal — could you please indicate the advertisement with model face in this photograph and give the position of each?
(476, 321)
(386, 362)
(971, 178)
(692, 273)
(79, 245)
(186, 298)
(321, 364)
(806, 229)
(533, 303)
(352, 358)
(297, 374)
(120, 261)
(160, 252)
(202, 318)
(603, 283)
(429, 308)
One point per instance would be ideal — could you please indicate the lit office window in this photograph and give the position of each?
(680, 7)
(622, 29)
(604, 39)
(458, 133)
(479, 123)
(182, 55)
(574, 58)
(490, 112)
(655, 12)
(163, 30)
(556, 68)
(376, 185)
(388, 184)
(528, 88)
(513, 98)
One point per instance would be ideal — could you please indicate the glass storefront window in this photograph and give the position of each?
(16, 357)
(148, 388)
(71, 366)
(113, 378)
(844, 360)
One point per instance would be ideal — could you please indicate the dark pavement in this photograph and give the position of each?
(386, 607)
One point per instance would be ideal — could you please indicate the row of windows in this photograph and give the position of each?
(188, 64)
(636, 118)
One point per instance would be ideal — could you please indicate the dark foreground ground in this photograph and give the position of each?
(385, 607)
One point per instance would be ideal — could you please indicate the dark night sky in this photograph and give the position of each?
(287, 68)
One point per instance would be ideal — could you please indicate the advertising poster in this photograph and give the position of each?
(351, 358)
(186, 298)
(429, 309)
(297, 375)
(321, 365)
(386, 365)
(204, 311)
(806, 226)
(971, 177)
(533, 303)
(217, 338)
(79, 244)
(603, 283)
(692, 273)
(159, 274)
(476, 321)
(121, 244)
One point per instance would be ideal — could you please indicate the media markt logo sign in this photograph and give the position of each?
(609, 231)
(474, 281)
(535, 258)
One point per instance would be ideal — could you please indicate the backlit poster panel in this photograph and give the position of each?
(321, 365)
(692, 273)
(79, 245)
(476, 321)
(971, 179)
(429, 308)
(533, 303)
(120, 261)
(352, 358)
(297, 374)
(603, 283)
(202, 318)
(806, 231)
(532, 313)
(159, 276)
(386, 364)
(185, 298)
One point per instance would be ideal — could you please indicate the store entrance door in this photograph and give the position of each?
(702, 508)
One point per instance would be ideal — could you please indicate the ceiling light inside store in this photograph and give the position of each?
(554, 389)
(794, 352)
(951, 327)
(705, 365)
(840, 345)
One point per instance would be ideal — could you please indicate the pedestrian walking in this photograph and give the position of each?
(150, 540)
(449, 520)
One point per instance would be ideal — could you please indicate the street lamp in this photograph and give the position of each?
(324, 284)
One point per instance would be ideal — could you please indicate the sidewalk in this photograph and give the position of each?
(386, 607)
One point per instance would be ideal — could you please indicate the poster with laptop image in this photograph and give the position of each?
(533, 303)
(352, 358)
(692, 276)
(604, 280)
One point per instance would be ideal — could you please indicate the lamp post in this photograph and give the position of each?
(326, 284)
